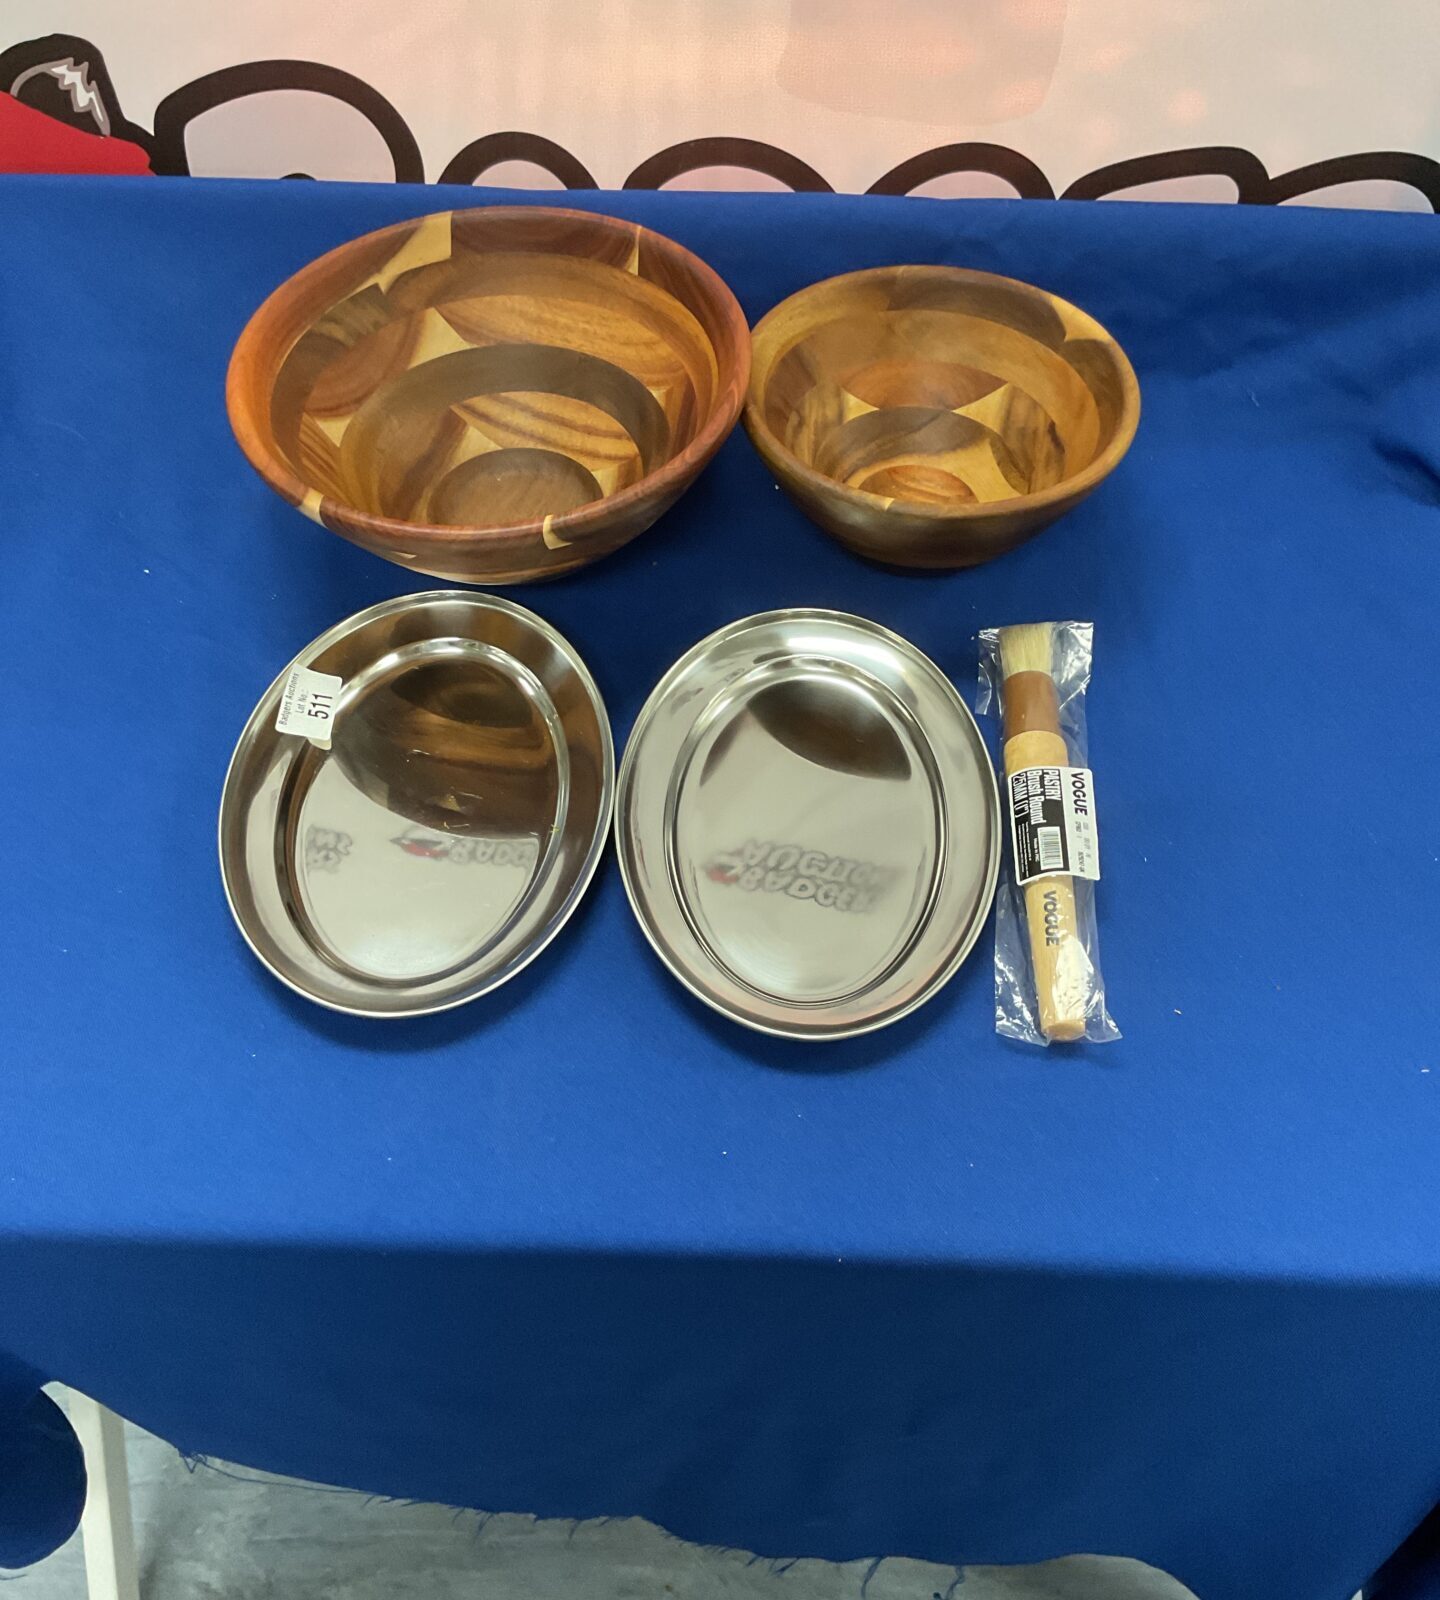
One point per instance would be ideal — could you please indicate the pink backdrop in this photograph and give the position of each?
(1222, 100)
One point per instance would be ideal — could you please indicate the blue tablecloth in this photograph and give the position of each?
(584, 1247)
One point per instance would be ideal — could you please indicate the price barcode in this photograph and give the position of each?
(1050, 850)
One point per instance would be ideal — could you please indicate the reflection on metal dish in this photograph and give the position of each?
(808, 824)
(451, 828)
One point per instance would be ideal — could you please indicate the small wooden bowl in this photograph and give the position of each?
(935, 417)
(491, 395)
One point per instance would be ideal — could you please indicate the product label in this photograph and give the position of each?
(1052, 823)
(307, 705)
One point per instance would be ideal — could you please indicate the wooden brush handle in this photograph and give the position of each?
(1062, 968)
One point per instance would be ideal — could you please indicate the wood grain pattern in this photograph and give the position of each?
(935, 417)
(491, 395)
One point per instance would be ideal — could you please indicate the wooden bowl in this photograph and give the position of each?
(934, 417)
(491, 395)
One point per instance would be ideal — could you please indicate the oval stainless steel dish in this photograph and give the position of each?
(808, 824)
(451, 828)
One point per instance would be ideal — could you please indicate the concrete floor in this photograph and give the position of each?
(227, 1534)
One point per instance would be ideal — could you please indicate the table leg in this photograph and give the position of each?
(106, 1526)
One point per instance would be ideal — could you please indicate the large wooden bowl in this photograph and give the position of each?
(491, 395)
(934, 417)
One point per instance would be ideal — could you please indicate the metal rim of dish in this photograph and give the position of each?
(265, 711)
(640, 902)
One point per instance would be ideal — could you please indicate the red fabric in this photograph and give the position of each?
(32, 142)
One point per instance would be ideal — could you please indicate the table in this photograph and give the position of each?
(584, 1248)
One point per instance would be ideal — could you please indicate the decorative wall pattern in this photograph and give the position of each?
(935, 64)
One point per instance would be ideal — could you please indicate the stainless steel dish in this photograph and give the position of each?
(451, 828)
(808, 824)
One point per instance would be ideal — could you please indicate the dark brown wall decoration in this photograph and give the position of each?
(694, 155)
(1252, 182)
(66, 78)
(1020, 172)
(177, 111)
(480, 155)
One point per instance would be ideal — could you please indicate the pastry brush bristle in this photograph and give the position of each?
(1027, 648)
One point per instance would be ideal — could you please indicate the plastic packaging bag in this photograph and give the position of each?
(1048, 983)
